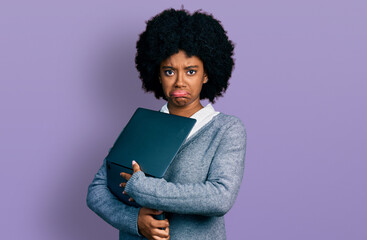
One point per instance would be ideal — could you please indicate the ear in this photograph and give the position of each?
(205, 78)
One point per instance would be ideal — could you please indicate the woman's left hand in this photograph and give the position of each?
(136, 168)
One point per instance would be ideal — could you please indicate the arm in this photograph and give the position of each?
(101, 201)
(214, 197)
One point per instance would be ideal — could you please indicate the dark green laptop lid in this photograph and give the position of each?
(152, 139)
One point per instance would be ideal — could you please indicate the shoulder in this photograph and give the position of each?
(228, 128)
(231, 133)
(226, 121)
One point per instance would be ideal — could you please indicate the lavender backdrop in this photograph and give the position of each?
(68, 86)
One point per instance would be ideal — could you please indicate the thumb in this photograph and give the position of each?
(136, 166)
(157, 212)
(153, 211)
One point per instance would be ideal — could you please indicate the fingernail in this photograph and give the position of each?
(133, 162)
(120, 184)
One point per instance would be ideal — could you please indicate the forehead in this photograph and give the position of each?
(181, 59)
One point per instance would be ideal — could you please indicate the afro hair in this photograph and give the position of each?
(198, 34)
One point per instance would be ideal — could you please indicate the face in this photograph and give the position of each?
(182, 78)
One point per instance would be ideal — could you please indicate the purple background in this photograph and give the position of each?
(69, 85)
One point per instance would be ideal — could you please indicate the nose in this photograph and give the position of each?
(180, 81)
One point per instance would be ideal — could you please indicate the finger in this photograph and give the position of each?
(155, 212)
(136, 166)
(123, 184)
(167, 230)
(160, 223)
(160, 233)
(150, 211)
(160, 238)
(125, 175)
(131, 200)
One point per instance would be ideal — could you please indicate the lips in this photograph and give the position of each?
(179, 93)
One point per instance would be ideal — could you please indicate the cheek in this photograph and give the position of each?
(165, 88)
(199, 85)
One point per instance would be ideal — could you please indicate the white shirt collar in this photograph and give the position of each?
(201, 114)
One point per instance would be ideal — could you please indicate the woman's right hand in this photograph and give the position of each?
(149, 227)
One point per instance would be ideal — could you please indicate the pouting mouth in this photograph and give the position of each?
(179, 93)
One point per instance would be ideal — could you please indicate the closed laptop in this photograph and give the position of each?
(152, 139)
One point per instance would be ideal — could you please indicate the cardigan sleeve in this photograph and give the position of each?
(101, 201)
(214, 197)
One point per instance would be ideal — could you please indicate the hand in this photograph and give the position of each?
(136, 168)
(150, 227)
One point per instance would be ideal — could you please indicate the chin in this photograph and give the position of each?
(181, 102)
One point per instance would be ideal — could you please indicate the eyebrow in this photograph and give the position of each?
(195, 66)
(188, 67)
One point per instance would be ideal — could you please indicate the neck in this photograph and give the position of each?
(184, 111)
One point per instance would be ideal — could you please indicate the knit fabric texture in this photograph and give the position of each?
(198, 189)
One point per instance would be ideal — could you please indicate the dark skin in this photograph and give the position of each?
(147, 225)
(182, 78)
(180, 73)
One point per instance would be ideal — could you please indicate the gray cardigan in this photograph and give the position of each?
(199, 187)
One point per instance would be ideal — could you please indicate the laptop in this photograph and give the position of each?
(152, 139)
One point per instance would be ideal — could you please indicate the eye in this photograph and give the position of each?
(169, 72)
(191, 72)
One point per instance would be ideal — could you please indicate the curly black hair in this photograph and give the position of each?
(198, 34)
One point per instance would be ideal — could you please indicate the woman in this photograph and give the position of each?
(182, 58)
